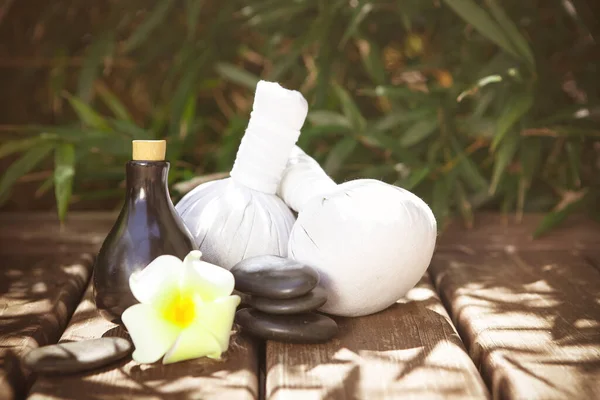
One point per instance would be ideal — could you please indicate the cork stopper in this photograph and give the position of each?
(149, 150)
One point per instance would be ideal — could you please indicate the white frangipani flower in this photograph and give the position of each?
(186, 310)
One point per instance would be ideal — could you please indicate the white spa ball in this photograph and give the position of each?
(370, 241)
(231, 222)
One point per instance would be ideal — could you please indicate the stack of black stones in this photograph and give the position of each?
(281, 296)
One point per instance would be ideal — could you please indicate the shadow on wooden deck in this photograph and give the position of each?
(531, 320)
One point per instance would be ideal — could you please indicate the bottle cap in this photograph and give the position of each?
(149, 150)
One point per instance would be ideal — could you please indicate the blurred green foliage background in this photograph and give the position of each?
(470, 104)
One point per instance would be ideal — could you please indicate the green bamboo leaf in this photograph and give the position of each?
(321, 131)
(323, 64)
(290, 58)
(475, 15)
(360, 13)
(112, 102)
(418, 132)
(237, 75)
(186, 124)
(283, 65)
(464, 205)
(512, 32)
(439, 204)
(230, 142)
(504, 157)
(468, 170)
(479, 127)
(530, 156)
(193, 8)
(129, 129)
(86, 114)
(328, 118)
(23, 165)
(415, 178)
(185, 88)
(385, 142)
(188, 117)
(484, 101)
(45, 186)
(509, 187)
(153, 21)
(372, 59)
(91, 68)
(434, 150)
(67, 132)
(338, 154)
(350, 109)
(64, 171)
(276, 15)
(159, 121)
(556, 217)
(514, 110)
(16, 146)
(259, 7)
(398, 117)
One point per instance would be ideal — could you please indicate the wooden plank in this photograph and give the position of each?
(531, 320)
(409, 351)
(235, 377)
(37, 298)
(494, 232)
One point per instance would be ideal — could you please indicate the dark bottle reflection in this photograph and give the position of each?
(147, 227)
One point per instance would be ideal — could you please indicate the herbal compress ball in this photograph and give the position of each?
(371, 242)
(241, 217)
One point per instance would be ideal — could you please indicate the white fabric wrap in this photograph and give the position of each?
(241, 217)
(274, 127)
(302, 180)
(371, 242)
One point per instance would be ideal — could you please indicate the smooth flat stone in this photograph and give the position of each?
(64, 358)
(274, 277)
(299, 328)
(298, 305)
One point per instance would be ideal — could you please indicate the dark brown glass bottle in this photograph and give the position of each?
(147, 227)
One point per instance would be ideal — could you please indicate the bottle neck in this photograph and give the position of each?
(263, 153)
(148, 181)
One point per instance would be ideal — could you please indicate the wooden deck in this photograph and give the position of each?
(497, 316)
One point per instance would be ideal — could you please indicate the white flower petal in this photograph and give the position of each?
(217, 317)
(152, 335)
(161, 275)
(208, 280)
(193, 342)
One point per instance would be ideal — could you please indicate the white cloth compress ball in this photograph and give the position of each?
(370, 241)
(241, 217)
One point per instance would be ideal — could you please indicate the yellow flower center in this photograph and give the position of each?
(181, 310)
